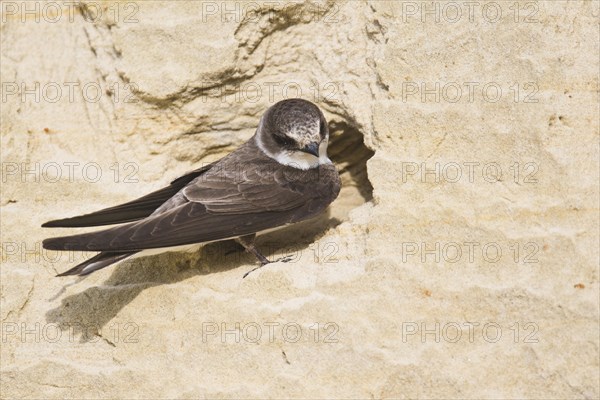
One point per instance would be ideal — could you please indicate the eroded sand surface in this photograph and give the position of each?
(460, 260)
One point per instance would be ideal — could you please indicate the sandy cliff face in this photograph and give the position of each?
(460, 260)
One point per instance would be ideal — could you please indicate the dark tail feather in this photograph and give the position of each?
(99, 261)
(72, 243)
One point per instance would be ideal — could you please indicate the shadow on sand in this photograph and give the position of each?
(93, 308)
(85, 313)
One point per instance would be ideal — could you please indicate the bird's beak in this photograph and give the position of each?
(312, 148)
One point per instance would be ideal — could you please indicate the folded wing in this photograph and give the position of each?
(130, 211)
(217, 206)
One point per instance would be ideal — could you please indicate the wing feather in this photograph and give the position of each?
(130, 211)
(217, 205)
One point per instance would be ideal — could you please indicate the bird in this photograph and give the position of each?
(280, 176)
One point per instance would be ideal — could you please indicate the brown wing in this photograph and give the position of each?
(224, 202)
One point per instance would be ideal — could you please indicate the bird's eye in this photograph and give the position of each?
(284, 141)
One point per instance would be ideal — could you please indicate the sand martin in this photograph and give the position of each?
(280, 176)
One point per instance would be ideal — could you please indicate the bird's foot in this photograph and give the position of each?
(252, 270)
(248, 243)
(263, 263)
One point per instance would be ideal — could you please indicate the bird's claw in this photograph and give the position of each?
(248, 273)
(262, 264)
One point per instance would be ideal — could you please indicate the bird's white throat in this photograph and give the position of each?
(297, 159)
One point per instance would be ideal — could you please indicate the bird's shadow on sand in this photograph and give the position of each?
(85, 313)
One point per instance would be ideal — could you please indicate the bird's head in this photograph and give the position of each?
(294, 132)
